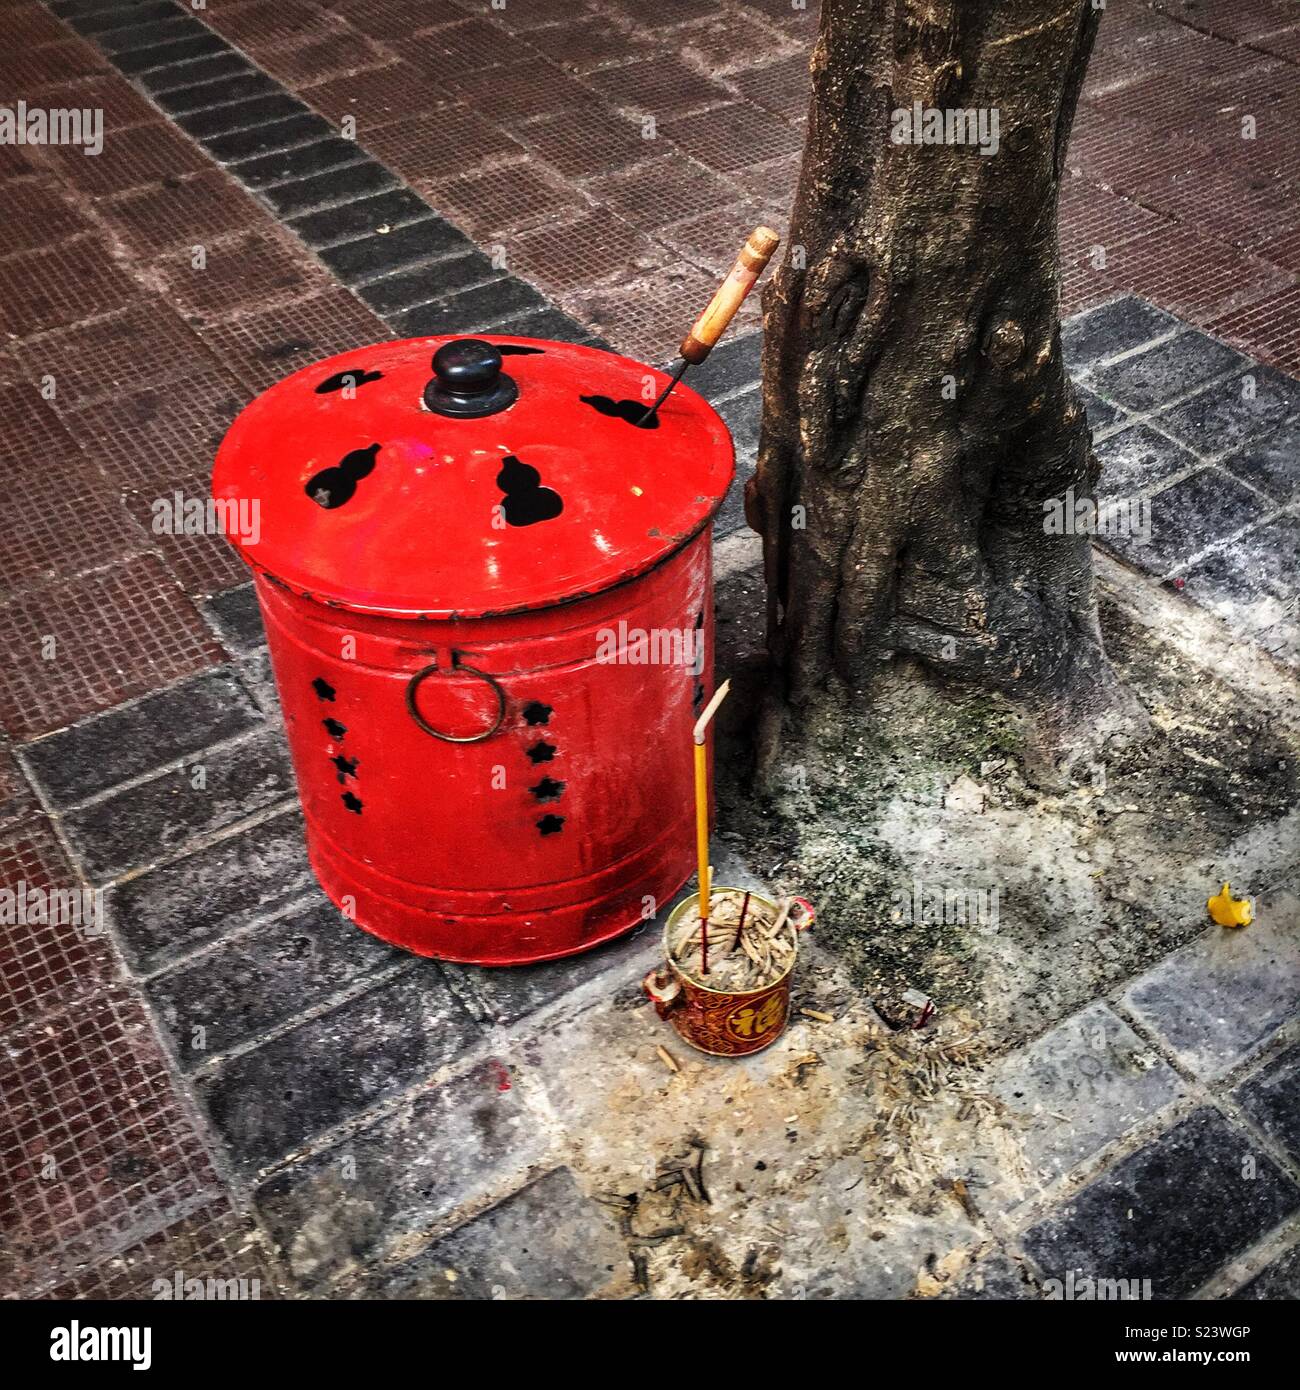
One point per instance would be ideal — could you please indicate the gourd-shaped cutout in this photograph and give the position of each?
(349, 376)
(332, 487)
(634, 412)
(525, 501)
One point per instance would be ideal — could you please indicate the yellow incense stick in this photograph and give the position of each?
(702, 816)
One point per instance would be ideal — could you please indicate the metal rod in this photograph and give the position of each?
(644, 421)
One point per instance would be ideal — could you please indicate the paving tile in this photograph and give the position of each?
(1254, 583)
(735, 365)
(87, 644)
(1271, 464)
(262, 23)
(400, 1176)
(241, 115)
(303, 161)
(1271, 1098)
(172, 28)
(189, 211)
(1075, 1089)
(369, 258)
(589, 42)
(378, 96)
(501, 200)
(453, 49)
(108, 749)
(587, 141)
(200, 96)
(1102, 415)
(161, 916)
(487, 306)
(237, 619)
(1218, 999)
(260, 140)
(316, 57)
(546, 1241)
(52, 65)
(1188, 517)
(357, 180)
(1167, 371)
(666, 190)
(588, 250)
(94, 1144)
(260, 979)
(520, 91)
(45, 216)
(186, 75)
(144, 345)
(204, 563)
(1119, 326)
(782, 87)
(169, 54)
(1268, 328)
(454, 141)
(266, 1102)
(1280, 1280)
(260, 348)
(154, 440)
(552, 324)
(505, 996)
(140, 825)
(1235, 411)
(215, 1245)
(424, 284)
(1136, 458)
(662, 87)
(17, 800)
(59, 286)
(643, 317)
(44, 963)
(242, 270)
(1172, 1213)
(734, 137)
(366, 217)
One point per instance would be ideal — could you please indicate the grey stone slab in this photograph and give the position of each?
(470, 311)
(1271, 464)
(322, 190)
(1254, 582)
(732, 367)
(263, 978)
(140, 825)
(742, 415)
(427, 283)
(170, 911)
(177, 51)
(401, 1175)
(189, 75)
(1280, 1280)
(1079, 1087)
(209, 125)
(1172, 1213)
(102, 752)
(267, 1102)
(1135, 459)
(172, 28)
(364, 218)
(1111, 329)
(506, 995)
(259, 677)
(1272, 1100)
(300, 162)
(1236, 411)
(546, 1241)
(1216, 1000)
(416, 243)
(198, 96)
(731, 515)
(1102, 415)
(552, 324)
(1162, 373)
(303, 129)
(1188, 517)
(237, 618)
(98, 17)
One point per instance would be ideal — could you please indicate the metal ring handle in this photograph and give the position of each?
(413, 685)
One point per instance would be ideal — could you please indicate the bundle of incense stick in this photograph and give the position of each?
(750, 944)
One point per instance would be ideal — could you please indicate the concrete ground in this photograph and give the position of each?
(360, 1122)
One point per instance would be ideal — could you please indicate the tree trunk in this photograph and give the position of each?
(916, 413)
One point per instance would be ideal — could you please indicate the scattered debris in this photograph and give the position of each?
(818, 1015)
(750, 942)
(668, 1059)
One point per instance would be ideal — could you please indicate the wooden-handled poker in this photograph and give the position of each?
(712, 323)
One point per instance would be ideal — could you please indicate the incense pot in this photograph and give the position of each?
(723, 1023)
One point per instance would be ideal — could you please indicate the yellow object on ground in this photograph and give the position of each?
(1228, 911)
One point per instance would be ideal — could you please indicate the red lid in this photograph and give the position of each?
(515, 479)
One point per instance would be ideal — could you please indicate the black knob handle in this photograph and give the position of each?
(468, 381)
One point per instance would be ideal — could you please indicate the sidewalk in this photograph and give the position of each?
(586, 171)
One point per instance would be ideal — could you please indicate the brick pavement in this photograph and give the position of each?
(570, 169)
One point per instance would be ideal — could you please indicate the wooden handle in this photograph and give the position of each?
(712, 323)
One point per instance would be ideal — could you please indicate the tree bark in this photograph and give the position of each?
(916, 410)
